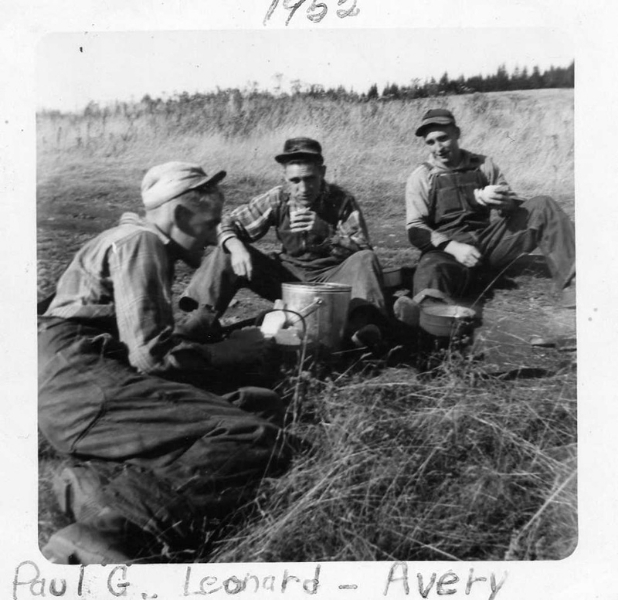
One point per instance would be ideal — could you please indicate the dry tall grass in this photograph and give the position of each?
(459, 464)
(402, 467)
(369, 146)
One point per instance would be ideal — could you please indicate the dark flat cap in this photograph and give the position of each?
(435, 116)
(300, 147)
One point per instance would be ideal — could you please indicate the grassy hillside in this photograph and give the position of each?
(461, 462)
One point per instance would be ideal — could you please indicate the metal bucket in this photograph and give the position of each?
(328, 311)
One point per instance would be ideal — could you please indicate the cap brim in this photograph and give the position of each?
(435, 121)
(211, 181)
(288, 156)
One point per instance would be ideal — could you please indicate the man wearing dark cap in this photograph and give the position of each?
(159, 458)
(449, 199)
(323, 239)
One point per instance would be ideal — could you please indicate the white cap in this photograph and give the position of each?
(170, 180)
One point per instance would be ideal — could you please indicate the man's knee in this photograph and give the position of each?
(363, 259)
(440, 271)
(541, 204)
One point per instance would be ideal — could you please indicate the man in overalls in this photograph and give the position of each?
(449, 199)
(323, 239)
(159, 461)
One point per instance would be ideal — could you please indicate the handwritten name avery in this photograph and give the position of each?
(115, 582)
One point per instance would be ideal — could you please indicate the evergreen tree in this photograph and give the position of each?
(536, 81)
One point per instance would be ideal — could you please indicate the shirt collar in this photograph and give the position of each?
(131, 218)
(465, 161)
(174, 250)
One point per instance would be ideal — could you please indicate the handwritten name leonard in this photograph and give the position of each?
(29, 582)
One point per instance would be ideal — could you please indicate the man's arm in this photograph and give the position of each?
(493, 173)
(142, 293)
(247, 223)
(420, 231)
(497, 194)
(250, 222)
(139, 270)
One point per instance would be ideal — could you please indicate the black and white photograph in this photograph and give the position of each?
(311, 293)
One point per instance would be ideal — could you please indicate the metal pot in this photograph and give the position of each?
(326, 318)
(446, 319)
(392, 277)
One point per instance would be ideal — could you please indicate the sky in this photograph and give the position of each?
(75, 68)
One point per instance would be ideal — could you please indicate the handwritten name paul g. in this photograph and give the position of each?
(30, 581)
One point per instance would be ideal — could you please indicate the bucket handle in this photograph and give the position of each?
(432, 293)
(305, 312)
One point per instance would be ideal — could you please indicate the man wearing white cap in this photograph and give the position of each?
(159, 457)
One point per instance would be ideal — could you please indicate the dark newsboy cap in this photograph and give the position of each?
(300, 147)
(435, 116)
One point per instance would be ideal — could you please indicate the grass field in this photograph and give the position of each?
(475, 459)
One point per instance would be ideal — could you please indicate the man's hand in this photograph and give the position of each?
(305, 219)
(465, 254)
(243, 347)
(241, 259)
(496, 196)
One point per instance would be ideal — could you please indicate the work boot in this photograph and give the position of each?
(82, 545)
(79, 491)
(407, 311)
(568, 296)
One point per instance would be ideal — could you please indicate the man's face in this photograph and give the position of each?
(304, 181)
(196, 228)
(443, 143)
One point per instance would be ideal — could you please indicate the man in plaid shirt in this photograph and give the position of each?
(323, 238)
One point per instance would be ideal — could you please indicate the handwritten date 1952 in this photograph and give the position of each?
(316, 11)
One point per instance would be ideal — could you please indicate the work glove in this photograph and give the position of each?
(246, 346)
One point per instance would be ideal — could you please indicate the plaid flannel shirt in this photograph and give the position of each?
(342, 222)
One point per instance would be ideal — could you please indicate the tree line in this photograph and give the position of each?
(233, 99)
(500, 81)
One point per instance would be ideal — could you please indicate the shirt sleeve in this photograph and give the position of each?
(492, 172)
(139, 270)
(420, 232)
(249, 222)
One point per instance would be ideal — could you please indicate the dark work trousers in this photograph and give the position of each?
(538, 222)
(215, 282)
(179, 455)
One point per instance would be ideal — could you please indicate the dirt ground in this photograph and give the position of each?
(519, 305)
